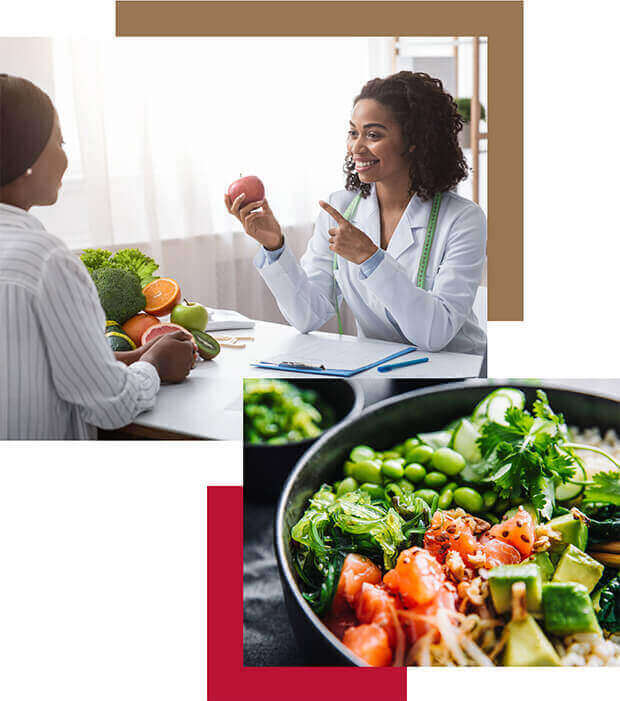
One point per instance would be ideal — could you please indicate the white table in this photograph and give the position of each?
(209, 403)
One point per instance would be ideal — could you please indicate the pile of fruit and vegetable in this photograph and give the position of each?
(277, 412)
(490, 542)
(135, 300)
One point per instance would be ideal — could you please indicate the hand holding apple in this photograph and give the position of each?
(251, 186)
(190, 315)
(256, 216)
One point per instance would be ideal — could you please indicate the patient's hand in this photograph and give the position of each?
(132, 356)
(172, 355)
(258, 221)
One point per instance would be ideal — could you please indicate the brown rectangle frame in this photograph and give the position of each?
(501, 22)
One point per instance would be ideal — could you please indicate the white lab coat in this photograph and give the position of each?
(387, 304)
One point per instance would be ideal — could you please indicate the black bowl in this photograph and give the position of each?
(266, 467)
(381, 426)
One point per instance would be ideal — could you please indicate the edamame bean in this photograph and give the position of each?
(375, 491)
(435, 480)
(420, 454)
(367, 471)
(348, 468)
(445, 499)
(411, 443)
(468, 499)
(400, 449)
(427, 494)
(406, 486)
(489, 498)
(446, 495)
(448, 461)
(391, 455)
(415, 472)
(392, 469)
(347, 485)
(361, 453)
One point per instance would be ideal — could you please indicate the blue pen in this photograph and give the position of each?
(394, 366)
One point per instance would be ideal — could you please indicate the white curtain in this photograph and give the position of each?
(156, 129)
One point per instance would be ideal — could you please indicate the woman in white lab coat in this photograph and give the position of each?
(409, 252)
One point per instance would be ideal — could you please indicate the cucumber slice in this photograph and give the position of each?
(464, 441)
(503, 399)
(479, 415)
(495, 405)
(436, 439)
(568, 490)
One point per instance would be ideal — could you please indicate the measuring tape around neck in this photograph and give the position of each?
(428, 240)
(426, 249)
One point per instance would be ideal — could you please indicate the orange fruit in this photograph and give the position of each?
(161, 296)
(138, 324)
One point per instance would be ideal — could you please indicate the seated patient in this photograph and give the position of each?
(58, 376)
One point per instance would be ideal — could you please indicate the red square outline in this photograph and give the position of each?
(227, 678)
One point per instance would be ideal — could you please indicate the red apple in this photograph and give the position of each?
(251, 186)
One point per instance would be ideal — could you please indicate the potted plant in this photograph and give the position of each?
(463, 105)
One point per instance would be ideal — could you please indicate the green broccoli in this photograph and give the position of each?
(120, 293)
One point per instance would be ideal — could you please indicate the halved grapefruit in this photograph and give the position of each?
(162, 330)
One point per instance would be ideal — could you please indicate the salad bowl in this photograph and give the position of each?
(382, 425)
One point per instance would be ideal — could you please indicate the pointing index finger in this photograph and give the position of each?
(332, 211)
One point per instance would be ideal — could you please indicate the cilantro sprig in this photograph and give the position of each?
(529, 454)
(605, 488)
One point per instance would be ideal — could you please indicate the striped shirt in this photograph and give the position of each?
(58, 376)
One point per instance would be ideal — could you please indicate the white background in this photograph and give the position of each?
(100, 545)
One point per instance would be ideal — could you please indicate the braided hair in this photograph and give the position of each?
(429, 120)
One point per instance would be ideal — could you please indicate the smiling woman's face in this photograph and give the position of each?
(375, 141)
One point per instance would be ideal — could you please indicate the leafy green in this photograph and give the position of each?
(276, 411)
(609, 603)
(135, 261)
(95, 258)
(603, 521)
(130, 259)
(606, 488)
(332, 527)
(528, 455)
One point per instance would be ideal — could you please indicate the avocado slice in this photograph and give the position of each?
(577, 566)
(543, 561)
(573, 531)
(568, 609)
(526, 644)
(502, 578)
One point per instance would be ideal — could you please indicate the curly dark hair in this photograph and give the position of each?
(429, 120)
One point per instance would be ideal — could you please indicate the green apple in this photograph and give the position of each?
(190, 315)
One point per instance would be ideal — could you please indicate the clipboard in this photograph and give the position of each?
(333, 372)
